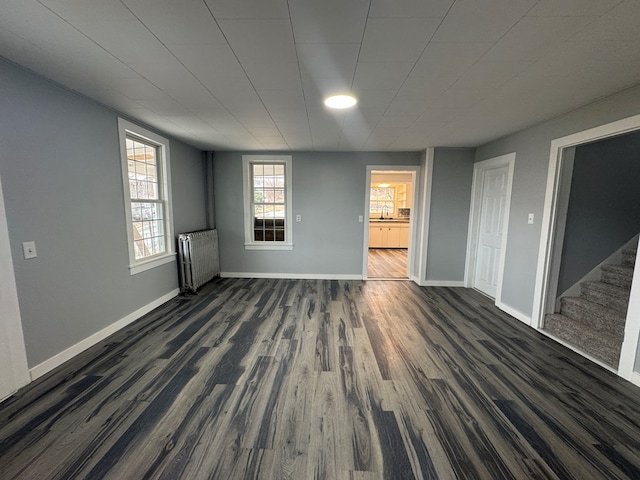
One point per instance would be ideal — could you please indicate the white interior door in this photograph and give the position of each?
(13, 360)
(492, 213)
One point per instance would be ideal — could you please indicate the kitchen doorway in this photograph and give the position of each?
(390, 197)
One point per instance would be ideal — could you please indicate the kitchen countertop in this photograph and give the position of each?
(389, 220)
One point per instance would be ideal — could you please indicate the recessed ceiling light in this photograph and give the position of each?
(340, 101)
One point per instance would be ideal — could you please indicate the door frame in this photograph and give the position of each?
(415, 213)
(11, 310)
(561, 152)
(479, 169)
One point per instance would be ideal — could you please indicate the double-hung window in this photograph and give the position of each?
(382, 201)
(145, 172)
(267, 202)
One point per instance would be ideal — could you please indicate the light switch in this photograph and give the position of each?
(361, 218)
(530, 219)
(29, 249)
(298, 218)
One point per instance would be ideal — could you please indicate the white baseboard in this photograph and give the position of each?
(514, 313)
(442, 283)
(69, 353)
(292, 276)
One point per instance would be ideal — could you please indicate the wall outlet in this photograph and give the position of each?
(298, 218)
(530, 219)
(29, 249)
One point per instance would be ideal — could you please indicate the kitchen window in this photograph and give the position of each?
(145, 173)
(267, 202)
(382, 201)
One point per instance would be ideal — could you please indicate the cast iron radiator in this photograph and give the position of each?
(198, 258)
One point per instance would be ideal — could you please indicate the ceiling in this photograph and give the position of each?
(252, 74)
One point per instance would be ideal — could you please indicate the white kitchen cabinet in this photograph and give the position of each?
(388, 235)
(404, 235)
(375, 237)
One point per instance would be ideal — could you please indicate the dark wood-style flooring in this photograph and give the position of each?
(387, 263)
(311, 379)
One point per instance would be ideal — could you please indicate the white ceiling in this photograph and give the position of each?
(251, 74)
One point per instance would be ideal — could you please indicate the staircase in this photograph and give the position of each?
(594, 321)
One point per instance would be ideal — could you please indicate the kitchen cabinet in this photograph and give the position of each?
(388, 235)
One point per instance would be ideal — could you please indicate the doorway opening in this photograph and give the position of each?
(390, 198)
(572, 232)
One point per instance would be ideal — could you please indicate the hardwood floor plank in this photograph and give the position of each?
(291, 379)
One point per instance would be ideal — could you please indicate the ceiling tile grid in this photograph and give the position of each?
(252, 74)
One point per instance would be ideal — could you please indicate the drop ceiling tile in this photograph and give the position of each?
(317, 88)
(487, 74)
(139, 89)
(211, 64)
(328, 60)
(572, 8)
(380, 75)
(621, 24)
(165, 75)
(89, 10)
(418, 89)
(188, 22)
(396, 39)
(409, 8)
(165, 106)
(375, 99)
(407, 107)
(274, 76)
(43, 28)
(486, 21)
(449, 59)
(133, 43)
(249, 8)
(231, 93)
(260, 41)
(533, 37)
(196, 98)
(190, 123)
(267, 132)
(329, 21)
(461, 97)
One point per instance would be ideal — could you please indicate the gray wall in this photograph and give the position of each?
(60, 169)
(604, 205)
(328, 191)
(449, 216)
(530, 176)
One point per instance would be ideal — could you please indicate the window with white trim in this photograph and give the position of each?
(382, 201)
(147, 196)
(267, 202)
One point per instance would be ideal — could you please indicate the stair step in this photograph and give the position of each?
(620, 275)
(594, 316)
(629, 257)
(605, 294)
(602, 346)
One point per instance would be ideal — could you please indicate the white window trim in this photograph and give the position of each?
(127, 128)
(249, 243)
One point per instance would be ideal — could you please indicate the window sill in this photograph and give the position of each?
(151, 263)
(268, 246)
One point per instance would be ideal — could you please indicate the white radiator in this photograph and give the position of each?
(199, 262)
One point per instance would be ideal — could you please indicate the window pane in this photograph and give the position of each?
(278, 211)
(268, 195)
